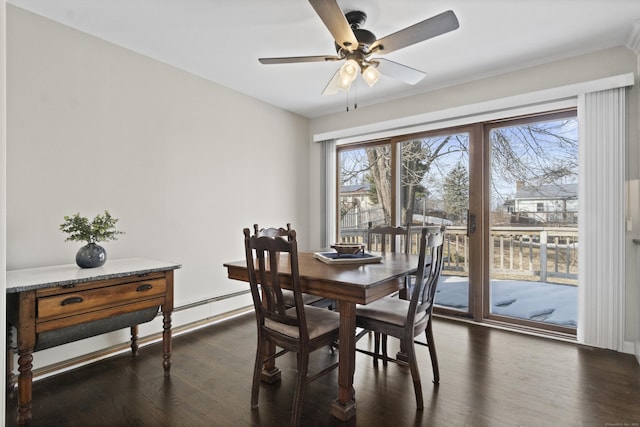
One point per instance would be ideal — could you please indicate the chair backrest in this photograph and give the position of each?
(377, 238)
(274, 250)
(271, 231)
(427, 275)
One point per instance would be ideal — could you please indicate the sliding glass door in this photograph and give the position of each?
(507, 193)
(434, 189)
(533, 236)
(365, 192)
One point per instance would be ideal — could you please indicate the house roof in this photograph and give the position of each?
(355, 188)
(553, 191)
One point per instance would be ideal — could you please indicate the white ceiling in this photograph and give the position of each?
(221, 40)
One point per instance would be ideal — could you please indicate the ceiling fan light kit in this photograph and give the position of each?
(348, 73)
(355, 45)
(371, 75)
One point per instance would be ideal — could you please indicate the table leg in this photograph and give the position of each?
(167, 308)
(344, 407)
(166, 342)
(10, 377)
(270, 372)
(26, 337)
(134, 340)
(25, 379)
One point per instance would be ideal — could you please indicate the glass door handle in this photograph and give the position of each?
(471, 223)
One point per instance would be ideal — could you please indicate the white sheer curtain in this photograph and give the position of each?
(601, 223)
(328, 192)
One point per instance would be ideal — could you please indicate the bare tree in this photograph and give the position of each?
(380, 174)
(539, 153)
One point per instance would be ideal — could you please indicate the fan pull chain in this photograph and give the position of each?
(348, 100)
(355, 96)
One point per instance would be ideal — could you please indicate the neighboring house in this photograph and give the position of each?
(555, 204)
(356, 209)
(356, 195)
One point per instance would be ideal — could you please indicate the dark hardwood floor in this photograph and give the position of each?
(489, 377)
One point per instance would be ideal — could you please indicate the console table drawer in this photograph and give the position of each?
(85, 301)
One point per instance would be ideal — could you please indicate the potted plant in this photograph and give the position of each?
(101, 229)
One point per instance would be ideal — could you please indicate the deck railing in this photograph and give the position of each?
(546, 254)
(359, 219)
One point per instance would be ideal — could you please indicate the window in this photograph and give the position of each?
(500, 188)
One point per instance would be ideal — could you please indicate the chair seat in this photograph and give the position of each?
(306, 298)
(406, 319)
(320, 321)
(389, 310)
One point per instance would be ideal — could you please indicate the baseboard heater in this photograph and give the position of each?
(105, 353)
(209, 300)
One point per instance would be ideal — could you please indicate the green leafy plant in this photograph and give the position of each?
(80, 229)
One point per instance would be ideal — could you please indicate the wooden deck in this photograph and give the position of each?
(489, 377)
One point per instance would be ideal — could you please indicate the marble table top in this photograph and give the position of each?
(68, 274)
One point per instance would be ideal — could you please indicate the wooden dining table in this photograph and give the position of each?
(348, 284)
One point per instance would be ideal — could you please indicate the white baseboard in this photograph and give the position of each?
(629, 347)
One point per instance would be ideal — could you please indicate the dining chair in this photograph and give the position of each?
(288, 295)
(377, 238)
(381, 238)
(301, 329)
(406, 319)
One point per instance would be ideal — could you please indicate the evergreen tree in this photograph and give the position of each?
(456, 192)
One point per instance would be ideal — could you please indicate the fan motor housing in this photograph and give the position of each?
(366, 38)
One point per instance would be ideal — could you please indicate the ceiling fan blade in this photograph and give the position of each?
(399, 72)
(332, 87)
(295, 59)
(432, 27)
(336, 23)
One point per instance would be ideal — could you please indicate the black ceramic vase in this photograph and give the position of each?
(91, 255)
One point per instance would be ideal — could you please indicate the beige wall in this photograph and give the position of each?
(92, 126)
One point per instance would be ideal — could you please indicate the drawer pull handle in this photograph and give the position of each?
(144, 287)
(68, 286)
(72, 300)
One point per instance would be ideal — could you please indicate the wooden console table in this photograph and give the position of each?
(50, 306)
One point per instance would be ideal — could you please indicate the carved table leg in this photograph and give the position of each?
(24, 386)
(134, 340)
(344, 407)
(270, 372)
(10, 377)
(166, 342)
(26, 334)
(167, 308)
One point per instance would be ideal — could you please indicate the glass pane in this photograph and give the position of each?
(365, 190)
(534, 221)
(435, 190)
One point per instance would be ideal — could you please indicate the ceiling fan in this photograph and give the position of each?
(355, 46)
